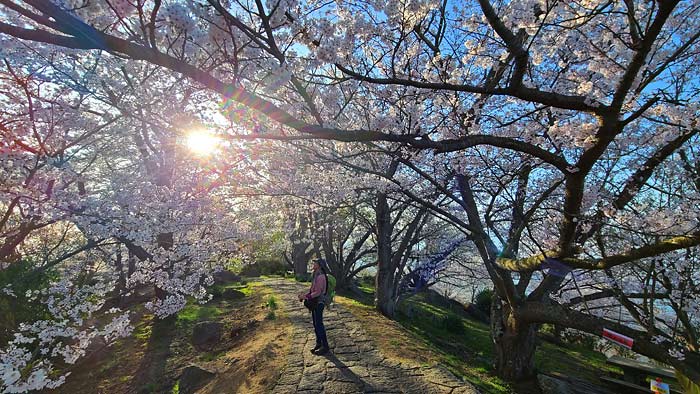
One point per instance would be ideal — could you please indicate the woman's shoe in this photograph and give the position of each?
(315, 349)
(322, 351)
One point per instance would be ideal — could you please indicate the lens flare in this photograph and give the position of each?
(202, 142)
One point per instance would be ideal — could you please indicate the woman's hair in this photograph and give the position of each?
(322, 264)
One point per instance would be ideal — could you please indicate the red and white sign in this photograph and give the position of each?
(658, 387)
(618, 338)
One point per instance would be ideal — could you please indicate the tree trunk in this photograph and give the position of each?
(385, 301)
(341, 283)
(384, 297)
(300, 255)
(514, 343)
(299, 260)
(386, 305)
(131, 264)
(121, 281)
(8, 253)
(165, 241)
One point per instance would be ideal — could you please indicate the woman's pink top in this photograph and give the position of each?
(318, 287)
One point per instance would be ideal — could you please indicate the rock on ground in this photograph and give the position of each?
(226, 276)
(206, 334)
(194, 378)
(232, 294)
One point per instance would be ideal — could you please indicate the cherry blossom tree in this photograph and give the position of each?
(301, 250)
(80, 191)
(561, 130)
(344, 238)
(43, 171)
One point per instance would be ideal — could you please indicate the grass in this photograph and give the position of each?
(466, 353)
(247, 288)
(193, 313)
(573, 361)
(272, 303)
(242, 286)
(211, 356)
(464, 346)
(143, 330)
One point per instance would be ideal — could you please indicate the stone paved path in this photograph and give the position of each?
(354, 365)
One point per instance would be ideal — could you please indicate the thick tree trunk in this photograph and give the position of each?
(341, 283)
(385, 301)
(384, 294)
(299, 260)
(300, 249)
(514, 343)
(386, 305)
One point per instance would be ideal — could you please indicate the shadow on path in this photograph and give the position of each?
(354, 364)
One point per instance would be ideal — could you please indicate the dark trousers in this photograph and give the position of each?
(319, 328)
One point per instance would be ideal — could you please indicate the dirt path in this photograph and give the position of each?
(354, 365)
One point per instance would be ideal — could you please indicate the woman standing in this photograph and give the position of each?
(315, 300)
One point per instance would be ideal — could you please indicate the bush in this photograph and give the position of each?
(548, 329)
(366, 281)
(581, 338)
(216, 291)
(453, 323)
(264, 267)
(482, 301)
(20, 277)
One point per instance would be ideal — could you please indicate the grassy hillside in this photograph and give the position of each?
(429, 331)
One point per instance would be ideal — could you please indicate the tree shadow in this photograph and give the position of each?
(151, 376)
(346, 373)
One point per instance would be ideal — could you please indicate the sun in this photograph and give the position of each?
(202, 142)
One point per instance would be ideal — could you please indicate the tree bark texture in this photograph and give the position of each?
(300, 253)
(384, 297)
(300, 259)
(514, 343)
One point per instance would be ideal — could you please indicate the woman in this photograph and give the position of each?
(315, 299)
